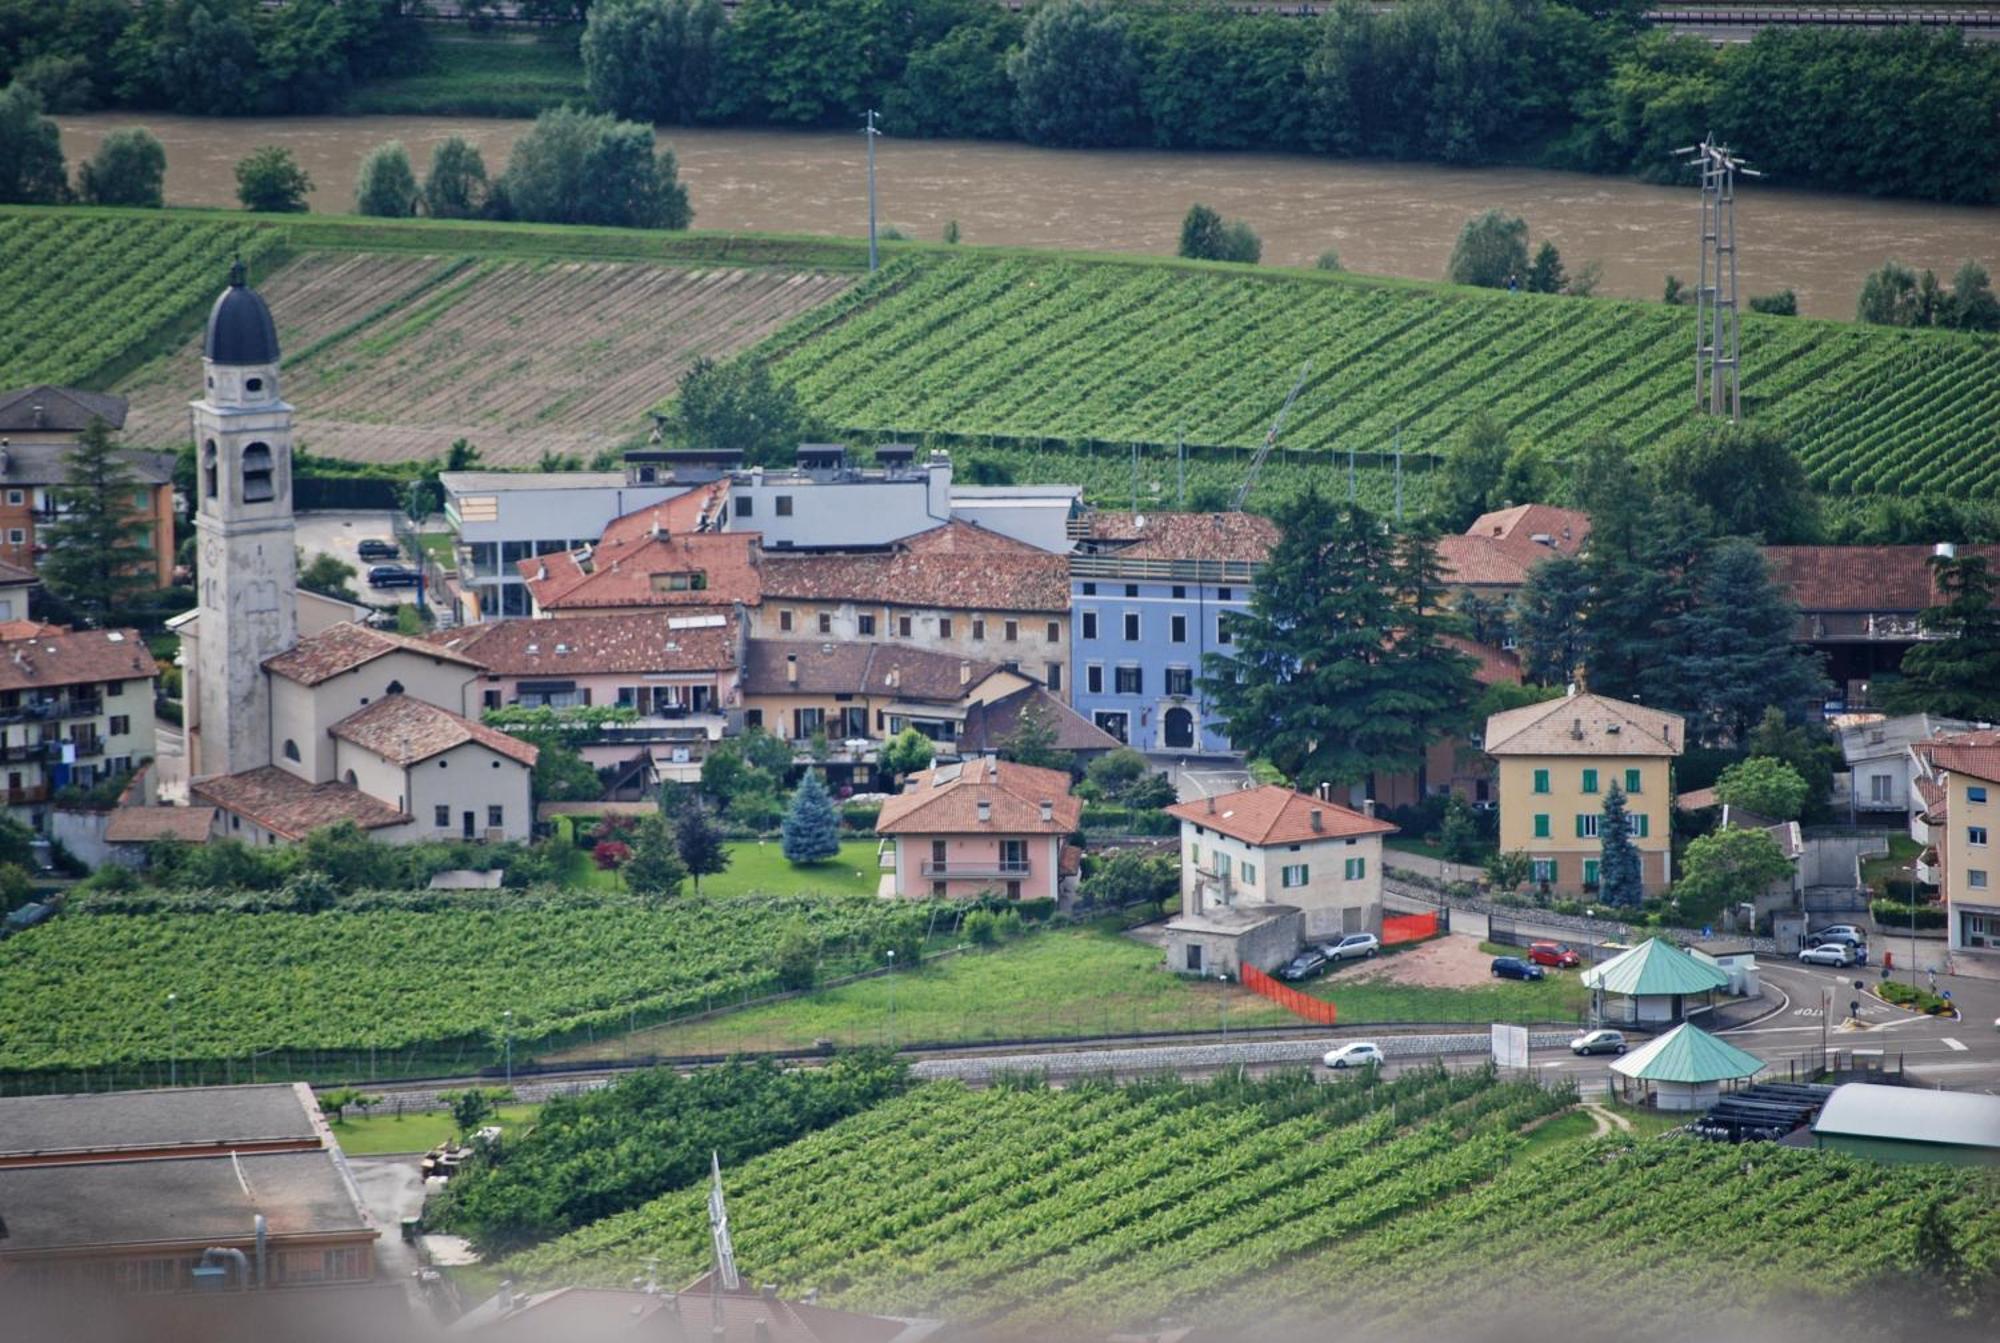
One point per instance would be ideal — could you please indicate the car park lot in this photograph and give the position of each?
(340, 535)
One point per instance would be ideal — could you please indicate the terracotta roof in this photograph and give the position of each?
(636, 572)
(49, 660)
(902, 670)
(637, 642)
(61, 409)
(1861, 578)
(11, 630)
(146, 825)
(13, 575)
(291, 808)
(341, 648)
(1500, 549)
(1242, 537)
(1696, 799)
(403, 730)
(1981, 760)
(1585, 725)
(945, 800)
(1934, 796)
(988, 726)
(680, 514)
(1270, 814)
(958, 566)
(1496, 665)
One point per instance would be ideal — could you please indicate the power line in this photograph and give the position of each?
(1718, 336)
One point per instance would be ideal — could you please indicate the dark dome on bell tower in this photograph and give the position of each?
(240, 330)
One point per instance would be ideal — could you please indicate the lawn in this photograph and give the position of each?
(1899, 864)
(1067, 983)
(381, 1133)
(758, 867)
(437, 548)
(483, 76)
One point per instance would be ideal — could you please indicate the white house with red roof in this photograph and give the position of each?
(1266, 868)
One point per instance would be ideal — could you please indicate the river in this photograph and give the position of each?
(1383, 218)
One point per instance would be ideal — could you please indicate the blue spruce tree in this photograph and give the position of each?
(1619, 880)
(812, 827)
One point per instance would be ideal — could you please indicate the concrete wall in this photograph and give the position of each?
(471, 778)
(1267, 947)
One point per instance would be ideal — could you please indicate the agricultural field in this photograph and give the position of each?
(479, 76)
(1041, 1211)
(389, 357)
(1102, 353)
(342, 993)
(82, 294)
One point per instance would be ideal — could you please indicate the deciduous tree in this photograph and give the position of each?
(31, 159)
(576, 168)
(1491, 249)
(653, 60)
(456, 186)
(906, 753)
(1033, 740)
(129, 168)
(387, 185)
(655, 868)
(270, 181)
(1076, 77)
(1764, 786)
(699, 843)
(1725, 868)
(738, 405)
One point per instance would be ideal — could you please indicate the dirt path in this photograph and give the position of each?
(1607, 1121)
(1445, 963)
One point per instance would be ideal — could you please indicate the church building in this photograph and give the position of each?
(298, 717)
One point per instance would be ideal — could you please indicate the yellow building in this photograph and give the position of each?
(1558, 760)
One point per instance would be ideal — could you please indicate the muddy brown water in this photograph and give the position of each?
(1383, 218)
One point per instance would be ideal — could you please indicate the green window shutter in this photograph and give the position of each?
(1590, 871)
(1590, 781)
(1631, 780)
(1541, 781)
(1581, 833)
(1639, 825)
(1541, 825)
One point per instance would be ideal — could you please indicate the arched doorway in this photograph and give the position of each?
(1178, 727)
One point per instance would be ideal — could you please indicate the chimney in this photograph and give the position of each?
(1576, 729)
(965, 673)
(985, 811)
(41, 416)
(1048, 810)
(791, 669)
(1368, 807)
(1211, 804)
(1318, 819)
(1324, 792)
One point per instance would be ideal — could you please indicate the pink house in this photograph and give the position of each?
(961, 830)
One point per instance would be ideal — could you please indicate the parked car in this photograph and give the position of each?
(1828, 953)
(393, 576)
(1557, 954)
(375, 548)
(1358, 1055)
(1836, 932)
(1513, 967)
(1352, 947)
(1307, 963)
(1598, 1042)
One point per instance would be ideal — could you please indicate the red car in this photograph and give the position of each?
(1554, 953)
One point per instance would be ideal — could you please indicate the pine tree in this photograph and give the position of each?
(1619, 878)
(1956, 675)
(812, 827)
(1734, 653)
(699, 842)
(1033, 740)
(655, 868)
(97, 563)
(1548, 620)
(1638, 599)
(1339, 668)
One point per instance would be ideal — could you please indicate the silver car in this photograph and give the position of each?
(1353, 947)
(1598, 1042)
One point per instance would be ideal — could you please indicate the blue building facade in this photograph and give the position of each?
(1149, 600)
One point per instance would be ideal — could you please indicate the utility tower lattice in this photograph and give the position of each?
(1718, 337)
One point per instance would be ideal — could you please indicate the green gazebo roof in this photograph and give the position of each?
(1654, 967)
(1688, 1054)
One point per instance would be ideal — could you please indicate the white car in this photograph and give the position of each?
(1828, 953)
(1352, 947)
(1359, 1055)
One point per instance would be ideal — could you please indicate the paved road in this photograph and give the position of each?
(392, 1188)
(338, 534)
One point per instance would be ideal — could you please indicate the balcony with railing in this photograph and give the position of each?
(31, 752)
(37, 711)
(27, 797)
(972, 869)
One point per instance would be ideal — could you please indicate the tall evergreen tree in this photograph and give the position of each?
(1549, 620)
(698, 840)
(1639, 598)
(98, 563)
(1619, 878)
(1735, 655)
(812, 827)
(1957, 674)
(655, 868)
(1339, 667)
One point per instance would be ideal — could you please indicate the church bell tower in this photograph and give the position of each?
(248, 570)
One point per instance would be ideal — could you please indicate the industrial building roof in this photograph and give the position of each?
(1911, 1114)
(1653, 968)
(123, 1121)
(1688, 1054)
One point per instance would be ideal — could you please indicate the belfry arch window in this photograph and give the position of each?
(210, 480)
(258, 486)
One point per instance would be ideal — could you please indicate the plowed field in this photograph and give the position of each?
(391, 357)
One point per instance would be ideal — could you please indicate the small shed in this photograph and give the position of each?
(1685, 1069)
(1223, 939)
(1910, 1124)
(1738, 960)
(1655, 980)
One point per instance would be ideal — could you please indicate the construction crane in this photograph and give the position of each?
(1270, 439)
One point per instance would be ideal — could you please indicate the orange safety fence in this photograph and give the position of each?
(1299, 1004)
(1398, 928)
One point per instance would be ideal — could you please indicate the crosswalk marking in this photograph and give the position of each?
(1961, 1048)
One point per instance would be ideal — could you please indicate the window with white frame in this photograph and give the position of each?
(1975, 835)
(1294, 874)
(1355, 869)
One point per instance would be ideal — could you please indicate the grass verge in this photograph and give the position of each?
(502, 75)
(382, 1134)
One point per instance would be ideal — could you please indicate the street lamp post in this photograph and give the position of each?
(892, 993)
(174, 1044)
(871, 132)
(507, 1028)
